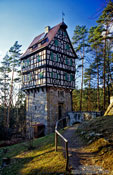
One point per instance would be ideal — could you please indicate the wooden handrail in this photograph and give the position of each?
(57, 133)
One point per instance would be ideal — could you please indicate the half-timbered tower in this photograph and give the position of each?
(48, 76)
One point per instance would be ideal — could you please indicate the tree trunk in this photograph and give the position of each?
(89, 102)
(81, 91)
(104, 81)
(98, 95)
(10, 98)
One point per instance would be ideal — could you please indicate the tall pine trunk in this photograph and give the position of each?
(98, 95)
(104, 71)
(10, 98)
(81, 91)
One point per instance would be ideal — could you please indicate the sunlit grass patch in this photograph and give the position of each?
(42, 159)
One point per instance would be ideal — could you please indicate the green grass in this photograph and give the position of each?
(41, 160)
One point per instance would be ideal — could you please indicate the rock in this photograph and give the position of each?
(92, 134)
(98, 134)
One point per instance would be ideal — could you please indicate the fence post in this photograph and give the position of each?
(67, 158)
(56, 141)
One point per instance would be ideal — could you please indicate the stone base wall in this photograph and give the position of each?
(56, 96)
(36, 109)
(42, 106)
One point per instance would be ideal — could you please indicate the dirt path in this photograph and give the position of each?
(80, 161)
(73, 144)
(75, 155)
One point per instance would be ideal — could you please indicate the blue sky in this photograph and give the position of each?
(22, 20)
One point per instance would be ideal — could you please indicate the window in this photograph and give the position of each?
(44, 41)
(29, 77)
(41, 75)
(23, 65)
(56, 75)
(28, 62)
(38, 58)
(34, 46)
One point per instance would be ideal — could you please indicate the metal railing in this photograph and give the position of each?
(57, 133)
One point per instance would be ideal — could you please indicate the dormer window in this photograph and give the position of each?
(34, 46)
(44, 41)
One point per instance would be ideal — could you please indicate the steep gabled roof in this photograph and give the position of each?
(44, 38)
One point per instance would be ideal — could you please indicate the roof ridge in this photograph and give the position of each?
(50, 35)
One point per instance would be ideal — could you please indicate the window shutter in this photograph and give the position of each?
(51, 55)
(51, 74)
(67, 46)
(57, 58)
(66, 78)
(70, 62)
(71, 77)
(56, 42)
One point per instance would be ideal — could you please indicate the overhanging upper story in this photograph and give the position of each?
(49, 60)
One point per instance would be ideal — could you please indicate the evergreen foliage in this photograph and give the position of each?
(98, 72)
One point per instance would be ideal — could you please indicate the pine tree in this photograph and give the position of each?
(105, 21)
(95, 40)
(4, 86)
(14, 54)
(80, 44)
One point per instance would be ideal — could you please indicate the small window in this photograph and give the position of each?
(29, 77)
(28, 62)
(38, 58)
(23, 65)
(56, 75)
(41, 75)
(44, 41)
(34, 46)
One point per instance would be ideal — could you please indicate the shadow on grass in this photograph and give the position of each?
(17, 165)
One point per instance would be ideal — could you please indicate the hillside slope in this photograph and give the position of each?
(41, 160)
(97, 138)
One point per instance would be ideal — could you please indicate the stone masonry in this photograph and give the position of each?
(42, 106)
